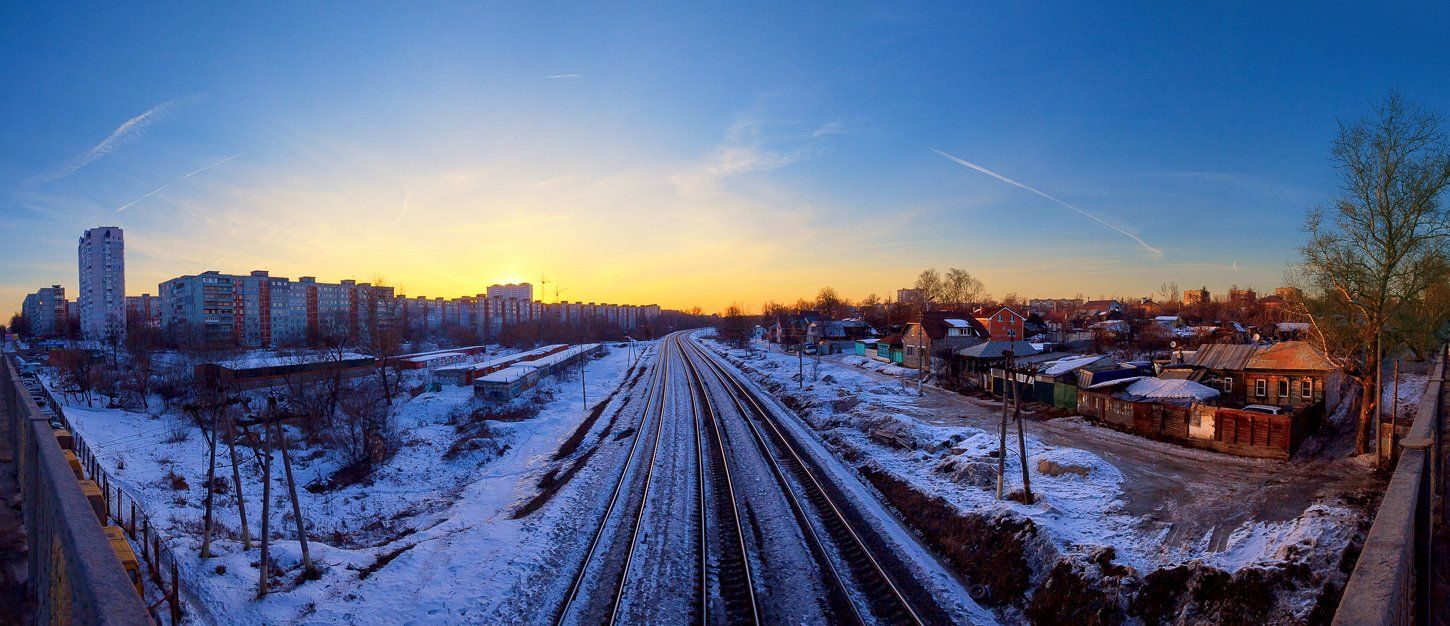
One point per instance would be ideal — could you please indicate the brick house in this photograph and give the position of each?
(1003, 325)
(938, 333)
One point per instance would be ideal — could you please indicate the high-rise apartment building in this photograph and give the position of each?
(102, 297)
(511, 291)
(144, 310)
(46, 311)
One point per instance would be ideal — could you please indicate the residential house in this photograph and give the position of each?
(937, 334)
(1291, 374)
(972, 365)
(1004, 324)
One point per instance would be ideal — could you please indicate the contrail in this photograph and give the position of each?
(124, 133)
(1014, 183)
(158, 189)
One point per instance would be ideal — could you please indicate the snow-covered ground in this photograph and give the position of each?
(426, 540)
(1080, 493)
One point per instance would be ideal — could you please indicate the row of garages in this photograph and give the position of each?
(507, 383)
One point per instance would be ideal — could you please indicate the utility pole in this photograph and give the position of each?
(1021, 438)
(275, 421)
(237, 483)
(583, 388)
(800, 357)
(1002, 439)
(266, 509)
(922, 358)
(1394, 413)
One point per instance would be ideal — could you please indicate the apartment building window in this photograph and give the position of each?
(1261, 387)
(1284, 388)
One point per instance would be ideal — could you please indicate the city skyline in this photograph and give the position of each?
(672, 159)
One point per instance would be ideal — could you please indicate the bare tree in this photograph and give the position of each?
(960, 288)
(830, 303)
(734, 326)
(928, 289)
(1374, 253)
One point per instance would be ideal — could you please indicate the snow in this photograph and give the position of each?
(269, 359)
(1171, 388)
(1058, 368)
(1078, 509)
(463, 559)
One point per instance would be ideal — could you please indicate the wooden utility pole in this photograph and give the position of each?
(237, 483)
(1002, 440)
(208, 432)
(266, 509)
(275, 423)
(1021, 438)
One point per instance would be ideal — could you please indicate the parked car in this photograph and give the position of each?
(1265, 408)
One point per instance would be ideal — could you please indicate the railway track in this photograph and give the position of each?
(654, 405)
(885, 599)
(734, 579)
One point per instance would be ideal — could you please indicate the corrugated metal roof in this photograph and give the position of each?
(1223, 356)
(1290, 355)
(994, 349)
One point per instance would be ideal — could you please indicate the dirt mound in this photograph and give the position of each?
(1055, 469)
(989, 550)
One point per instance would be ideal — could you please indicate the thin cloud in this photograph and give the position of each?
(563, 76)
(159, 189)
(125, 133)
(1014, 183)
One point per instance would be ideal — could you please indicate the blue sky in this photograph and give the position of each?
(690, 155)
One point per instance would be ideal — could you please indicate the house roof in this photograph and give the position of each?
(995, 349)
(1223, 356)
(894, 339)
(1160, 388)
(1290, 355)
(1067, 365)
(936, 323)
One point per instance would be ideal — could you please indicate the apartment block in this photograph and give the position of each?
(101, 254)
(144, 310)
(511, 291)
(47, 311)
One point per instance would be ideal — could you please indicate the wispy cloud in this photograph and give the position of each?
(125, 133)
(834, 127)
(163, 187)
(1014, 183)
(564, 76)
(743, 150)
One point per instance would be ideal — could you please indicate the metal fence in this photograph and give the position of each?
(1391, 581)
(75, 576)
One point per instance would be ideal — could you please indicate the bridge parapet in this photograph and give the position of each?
(74, 574)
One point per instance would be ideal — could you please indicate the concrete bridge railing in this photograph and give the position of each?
(1390, 584)
(75, 577)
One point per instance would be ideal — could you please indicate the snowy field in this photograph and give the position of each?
(426, 540)
(1080, 507)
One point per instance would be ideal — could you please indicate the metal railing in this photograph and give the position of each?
(1391, 581)
(75, 576)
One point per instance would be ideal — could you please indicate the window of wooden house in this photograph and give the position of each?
(1227, 384)
(1306, 389)
(1261, 387)
(1283, 388)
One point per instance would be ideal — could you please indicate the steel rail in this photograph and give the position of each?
(866, 563)
(656, 388)
(648, 482)
(744, 586)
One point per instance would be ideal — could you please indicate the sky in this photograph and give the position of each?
(691, 155)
